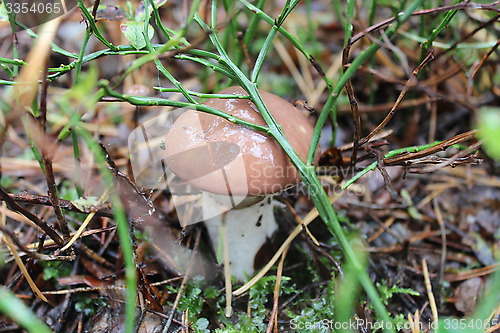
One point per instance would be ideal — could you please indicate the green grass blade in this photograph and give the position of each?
(15, 309)
(295, 42)
(269, 39)
(443, 25)
(92, 25)
(123, 231)
(308, 174)
(79, 61)
(358, 61)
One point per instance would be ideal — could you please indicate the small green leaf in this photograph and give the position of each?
(134, 31)
(489, 130)
(202, 324)
(87, 204)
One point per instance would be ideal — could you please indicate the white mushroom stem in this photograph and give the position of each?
(247, 230)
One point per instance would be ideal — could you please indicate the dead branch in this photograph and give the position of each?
(35, 219)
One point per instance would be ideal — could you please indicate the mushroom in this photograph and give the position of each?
(238, 170)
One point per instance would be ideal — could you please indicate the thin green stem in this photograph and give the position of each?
(151, 55)
(338, 6)
(123, 50)
(158, 63)
(120, 218)
(15, 309)
(295, 42)
(92, 25)
(392, 153)
(159, 23)
(79, 61)
(123, 231)
(55, 47)
(442, 25)
(15, 53)
(16, 63)
(201, 95)
(269, 39)
(74, 116)
(151, 101)
(215, 67)
(171, 78)
(9, 71)
(358, 61)
(172, 43)
(308, 175)
(348, 27)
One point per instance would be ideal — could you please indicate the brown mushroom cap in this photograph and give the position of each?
(220, 157)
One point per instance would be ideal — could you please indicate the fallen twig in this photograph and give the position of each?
(404, 157)
(392, 112)
(44, 226)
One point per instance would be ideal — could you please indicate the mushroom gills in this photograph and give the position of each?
(247, 230)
